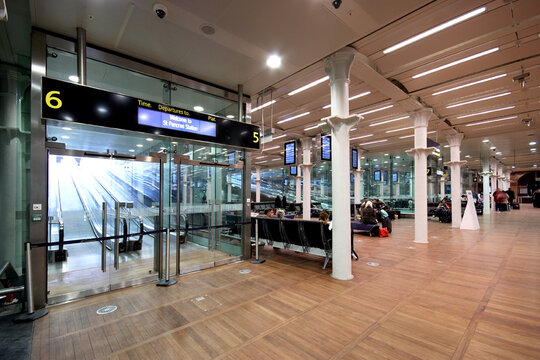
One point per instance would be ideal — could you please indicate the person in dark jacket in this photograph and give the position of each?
(368, 214)
(284, 203)
(277, 202)
(511, 196)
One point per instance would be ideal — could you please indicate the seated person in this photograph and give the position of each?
(368, 214)
(280, 213)
(442, 207)
(269, 212)
(324, 217)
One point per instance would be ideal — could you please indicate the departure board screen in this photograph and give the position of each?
(290, 153)
(176, 122)
(354, 159)
(326, 148)
(395, 177)
(377, 175)
(293, 170)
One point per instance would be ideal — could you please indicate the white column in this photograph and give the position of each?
(358, 180)
(420, 119)
(443, 187)
(485, 185)
(257, 184)
(306, 172)
(338, 66)
(298, 185)
(455, 177)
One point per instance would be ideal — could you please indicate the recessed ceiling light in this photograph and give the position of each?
(533, 149)
(64, 137)
(131, 150)
(263, 105)
(69, 129)
(468, 156)
(477, 100)
(446, 146)
(361, 137)
(271, 148)
(198, 108)
(375, 159)
(490, 121)
(139, 145)
(493, 147)
(102, 109)
(273, 61)
(485, 112)
(362, 157)
(398, 157)
(454, 63)
(313, 127)
(435, 29)
(149, 139)
(498, 153)
(485, 140)
(469, 84)
(385, 154)
(532, 143)
(230, 116)
(73, 78)
(293, 117)
(513, 166)
(400, 129)
(311, 84)
(375, 110)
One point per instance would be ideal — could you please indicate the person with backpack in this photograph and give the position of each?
(501, 200)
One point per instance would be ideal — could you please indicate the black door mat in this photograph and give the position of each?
(15, 338)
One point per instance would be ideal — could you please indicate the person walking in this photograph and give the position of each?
(501, 198)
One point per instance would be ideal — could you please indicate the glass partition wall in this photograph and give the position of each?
(104, 181)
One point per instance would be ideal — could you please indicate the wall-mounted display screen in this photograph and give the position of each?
(293, 171)
(385, 176)
(395, 177)
(352, 178)
(354, 159)
(326, 147)
(290, 153)
(377, 175)
(162, 120)
(440, 172)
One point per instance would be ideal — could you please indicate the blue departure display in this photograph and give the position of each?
(326, 148)
(293, 170)
(377, 175)
(354, 159)
(394, 177)
(290, 153)
(175, 122)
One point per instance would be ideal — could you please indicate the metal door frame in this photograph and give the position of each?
(161, 158)
(180, 160)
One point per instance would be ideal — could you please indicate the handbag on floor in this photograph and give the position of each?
(383, 232)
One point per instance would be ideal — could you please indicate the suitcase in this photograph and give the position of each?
(445, 216)
(387, 223)
(515, 206)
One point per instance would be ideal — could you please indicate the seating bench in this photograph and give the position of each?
(304, 236)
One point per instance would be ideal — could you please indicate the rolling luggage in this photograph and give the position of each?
(387, 223)
(445, 216)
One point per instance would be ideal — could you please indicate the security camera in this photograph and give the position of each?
(336, 3)
(160, 10)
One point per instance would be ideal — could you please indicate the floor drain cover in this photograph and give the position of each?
(205, 303)
(245, 271)
(440, 262)
(106, 310)
(372, 263)
(411, 247)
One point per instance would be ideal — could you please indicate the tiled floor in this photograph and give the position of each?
(467, 294)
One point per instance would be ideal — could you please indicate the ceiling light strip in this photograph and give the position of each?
(490, 121)
(305, 87)
(294, 117)
(469, 84)
(435, 30)
(401, 129)
(454, 63)
(389, 121)
(374, 142)
(313, 127)
(375, 110)
(477, 100)
(263, 105)
(408, 136)
(361, 137)
(351, 98)
(272, 148)
(485, 112)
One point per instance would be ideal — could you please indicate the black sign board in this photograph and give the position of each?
(326, 147)
(429, 171)
(82, 104)
(290, 153)
(354, 159)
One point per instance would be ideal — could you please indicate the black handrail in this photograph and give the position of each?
(113, 237)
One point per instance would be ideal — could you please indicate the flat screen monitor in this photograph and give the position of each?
(377, 175)
(326, 148)
(290, 153)
(231, 158)
(354, 159)
(293, 171)
(352, 178)
(395, 177)
(385, 176)
(286, 182)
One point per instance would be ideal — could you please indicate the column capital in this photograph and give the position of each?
(455, 139)
(359, 171)
(306, 166)
(486, 173)
(420, 117)
(420, 151)
(307, 142)
(349, 121)
(338, 65)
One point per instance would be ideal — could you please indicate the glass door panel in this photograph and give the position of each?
(91, 197)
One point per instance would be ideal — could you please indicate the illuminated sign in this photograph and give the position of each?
(354, 159)
(290, 153)
(293, 170)
(326, 148)
(176, 122)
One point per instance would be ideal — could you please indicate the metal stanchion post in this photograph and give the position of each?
(167, 281)
(257, 260)
(31, 315)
